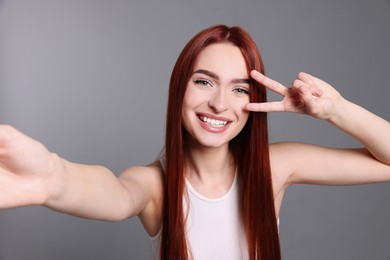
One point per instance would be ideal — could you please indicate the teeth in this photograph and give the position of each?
(213, 122)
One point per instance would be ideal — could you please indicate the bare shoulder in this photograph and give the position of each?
(152, 170)
(280, 173)
(149, 177)
(289, 152)
(281, 169)
(281, 154)
(145, 186)
(285, 159)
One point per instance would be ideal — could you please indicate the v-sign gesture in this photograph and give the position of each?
(313, 96)
(307, 95)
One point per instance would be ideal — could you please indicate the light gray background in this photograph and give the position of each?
(89, 79)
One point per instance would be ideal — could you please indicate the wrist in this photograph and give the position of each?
(340, 111)
(56, 182)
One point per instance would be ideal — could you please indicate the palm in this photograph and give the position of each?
(25, 165)
(293, 102)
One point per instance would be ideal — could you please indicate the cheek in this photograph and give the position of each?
(186, 100)
(245, 117)
(242, 114)
(187, 105)
(187, 108)
(188, 96)
(193, 99)
(240, 107)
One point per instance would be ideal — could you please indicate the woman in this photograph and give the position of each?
(217, 190)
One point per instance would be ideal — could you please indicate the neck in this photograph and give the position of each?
(209, 164)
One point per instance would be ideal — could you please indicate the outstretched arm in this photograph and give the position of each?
(31, 175)
(312, 96)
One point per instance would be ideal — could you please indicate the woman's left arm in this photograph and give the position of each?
(371, 130)
(312, 96)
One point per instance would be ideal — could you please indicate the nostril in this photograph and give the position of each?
(218, 103)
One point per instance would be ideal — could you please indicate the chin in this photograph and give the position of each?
(212, 142)
(207, 140)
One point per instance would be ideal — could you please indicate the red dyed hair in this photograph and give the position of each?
(250, 149)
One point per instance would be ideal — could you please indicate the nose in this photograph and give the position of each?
(218, 101)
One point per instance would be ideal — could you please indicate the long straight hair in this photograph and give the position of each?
(249, 147)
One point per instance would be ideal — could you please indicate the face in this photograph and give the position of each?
(216, 94)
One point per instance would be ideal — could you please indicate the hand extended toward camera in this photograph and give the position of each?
(32, 175)
(26, 169)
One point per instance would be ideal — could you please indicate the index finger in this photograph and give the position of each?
(276, 106)
(268, 83)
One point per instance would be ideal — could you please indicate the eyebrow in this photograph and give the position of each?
(215, 76)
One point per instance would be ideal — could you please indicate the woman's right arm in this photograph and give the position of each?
(32, 175)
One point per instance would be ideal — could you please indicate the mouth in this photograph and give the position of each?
(213, 121)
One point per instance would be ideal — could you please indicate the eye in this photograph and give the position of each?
(202, 82)
(241, 90)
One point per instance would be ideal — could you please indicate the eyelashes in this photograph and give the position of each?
(202, 82)
(240, 90)
(236, 89)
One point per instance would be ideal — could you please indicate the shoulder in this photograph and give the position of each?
(149, 177)
(283, 152)
(281, 169)
(289, 152)
(287, 157)
(285, 160)
(152, 169)
(146, 184)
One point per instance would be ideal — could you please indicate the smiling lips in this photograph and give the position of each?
(213, 122)
(213, 125)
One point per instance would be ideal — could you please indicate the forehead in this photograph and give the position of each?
(224, 59)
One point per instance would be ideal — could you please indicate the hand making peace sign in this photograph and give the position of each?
(307, 95)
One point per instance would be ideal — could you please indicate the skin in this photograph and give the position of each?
(327, 166)
(218, 88)
(32, 175)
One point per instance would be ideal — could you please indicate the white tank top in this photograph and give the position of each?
(214, 227)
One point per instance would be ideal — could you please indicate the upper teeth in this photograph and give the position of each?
(213, 122)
